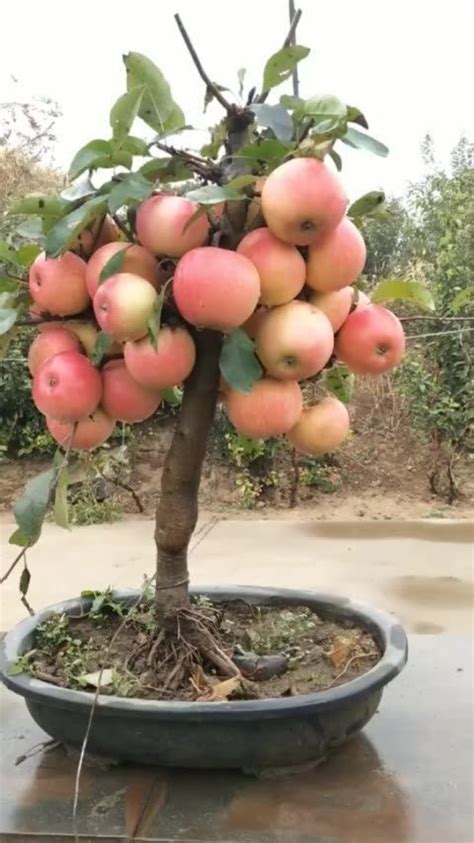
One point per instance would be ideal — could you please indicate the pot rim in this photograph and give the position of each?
(387, 629)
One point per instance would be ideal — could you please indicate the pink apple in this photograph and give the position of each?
(294, 341)
(371, 341)
(58, 285)
(136, 260)
(169, 364)
(48, 343)
(123, 398)
(336, 306)
(270, 408)
(123, 305)
(337, 259)
(67, 387)
(321, 428)
(88, 434)
(163, 227)
(281, 268)
(216, 288)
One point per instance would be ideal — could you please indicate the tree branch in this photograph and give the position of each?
(204, 168)
(291, 37)
(286, 43)
(202, 73)
(14, 564)
(437, 317)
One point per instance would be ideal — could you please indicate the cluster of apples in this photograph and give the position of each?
(297, 304)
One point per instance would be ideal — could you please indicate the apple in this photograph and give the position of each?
(301, 200)
(135, 260)
(337, 259)
(254, 321)
(88, 434)
(101, 231)
(48, 343)
(169, 364)
(162, 225)
(270, 408)
(336, 306)
(123, 305)
(281, 268)
(215, 288)
(371, 340)
(294, 341)
(321, 428)
(67, 387)
(362, 299)
(58, 285)
(123, 398)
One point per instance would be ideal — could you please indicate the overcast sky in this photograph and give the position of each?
(406, 64)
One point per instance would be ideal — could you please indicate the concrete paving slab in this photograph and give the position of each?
(407, 779)
(421, 571)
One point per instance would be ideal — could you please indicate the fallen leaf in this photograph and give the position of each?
(341, 651)
(222, 690)
(200, 681)
(103, 677)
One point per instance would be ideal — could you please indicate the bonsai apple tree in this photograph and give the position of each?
(163, 273)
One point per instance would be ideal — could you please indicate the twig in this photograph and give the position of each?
(437, 334)
(33, 323)
(286, 43)
(292, 40)
(44, 746)
(204, 168)
(14, 564)
(123, 228)
(202, 73)
(369, 655)
(436, 317)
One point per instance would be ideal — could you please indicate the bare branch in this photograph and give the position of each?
(14, 564)
(437, 317)
(292, 40)
(438, 334)
(202, 73)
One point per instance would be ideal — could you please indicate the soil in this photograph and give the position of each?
(279, 652)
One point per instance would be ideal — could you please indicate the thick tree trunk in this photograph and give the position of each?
(177, 510)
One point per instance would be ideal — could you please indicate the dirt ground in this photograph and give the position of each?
(380, 473)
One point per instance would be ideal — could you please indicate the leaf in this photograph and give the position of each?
(133, 188)
(174, 123)
(200, 212)
(100, 677)
(60, 511)
(8, 317)
(136, 146)
(327, 113)
(25, 580)
(18, 538)
(238, 362)
(341, 651)
(113, 265)
(336, 158)
(242, 181)
(462, 299)
(15, 669)
(165, 170)
(399, 290)
(276, 118)
(102, 344)
(40, 204)
(154, 321)
(367, 204)
(291, 103)
(241, 77)
(79, 190)
(339, 381)
(281, 64)
(26, 254)
(213, 194)
(7, 252)
(221, 691)
(124, 111)
(209, 95)
(267, 151)
(156, 104)
(361, 140)
(31, 508)
(354, 115)
(173, 395)
(66, 230)
(8, 285)
(96, 153)
(33, 228)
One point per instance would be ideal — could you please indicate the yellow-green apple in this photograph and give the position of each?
(49, 342)
(371, 340)
(321, 428)
(271, 408)
(281, 268)
(58, 285)
(254, 321)
(169, 364)
(337, 259)
(301, 200)
(336, 306)
(294, 341)
(123, 398)
(123, 305)
(135, 260)
(215, 288)
(163, 226)
(88, 434)
(100, 232)
(67, 387)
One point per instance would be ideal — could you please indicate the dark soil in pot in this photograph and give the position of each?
(281, 652)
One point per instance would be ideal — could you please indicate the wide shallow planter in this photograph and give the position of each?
(251, 735)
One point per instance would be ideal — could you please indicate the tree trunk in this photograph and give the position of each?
(177, 510)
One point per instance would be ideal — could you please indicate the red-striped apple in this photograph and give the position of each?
(371, 340)
(281, 268)
(88, 434)
(271, 408)
(337, 259)
(163, 225)
(58, 285)
(67, 387)
(136, 260)
(294, 341)
(123, 398)
(53, 340)
(169, 364)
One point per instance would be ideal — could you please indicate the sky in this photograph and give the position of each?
(406, 64)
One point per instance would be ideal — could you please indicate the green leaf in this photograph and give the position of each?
(354, 115)
(173, 395)
(165, 170)
(40, 204)
(462, 299)
(31, 508)
(276, 118)
(18, 538)
(124, 111)
(16, 668)
(26, 254)
(60, 512)
(367, 204)
(96, 153)
(213, 194)
(154, 321)
(268, 151)
(25, 580)
(33, 228)
(136, 146)
(399, 290)
(238, 362)
(102, 344)
(66, 230)
(291, 103)
(327, 113)
(8, 285)
(156, 106)
(339, 381)
(361, 140)
(7, 253)
(280, 66)
(134, 188)
(8, 317)
(218, 135)
(242, 181)
(336, 158)
(113, 265)
(174, 123)
(80, 190)
(241, 78)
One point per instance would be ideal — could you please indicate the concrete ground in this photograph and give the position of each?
(421, 571)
